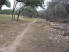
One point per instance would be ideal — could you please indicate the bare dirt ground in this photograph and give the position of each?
(45, 37)
(39, 36)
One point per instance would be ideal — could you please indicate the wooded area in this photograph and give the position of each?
(50, 13)
(34, 26)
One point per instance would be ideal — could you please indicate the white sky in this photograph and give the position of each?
(12, 3)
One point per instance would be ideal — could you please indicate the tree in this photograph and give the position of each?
(30, 12)
(6, 11)
(4, 2)
(57, 9)
(32, 3)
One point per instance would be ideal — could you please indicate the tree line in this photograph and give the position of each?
(28, 7)
(56, 9)
(6, 11)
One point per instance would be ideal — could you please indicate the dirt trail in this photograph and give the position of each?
(16, 42)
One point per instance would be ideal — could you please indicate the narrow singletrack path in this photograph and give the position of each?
(16, 42)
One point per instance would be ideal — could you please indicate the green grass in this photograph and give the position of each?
(26, 19)
(5, 17)
(9, 17)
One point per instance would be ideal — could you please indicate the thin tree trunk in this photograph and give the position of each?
(13, 12)
(19, 13)
(18, 16)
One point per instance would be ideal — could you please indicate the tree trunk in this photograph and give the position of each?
(18, 16)
(13, 12)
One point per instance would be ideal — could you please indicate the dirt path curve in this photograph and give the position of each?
(16, 42)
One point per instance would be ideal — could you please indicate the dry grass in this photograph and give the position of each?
(42, 38)
(10, 29)
(8, 32)
(37, 39)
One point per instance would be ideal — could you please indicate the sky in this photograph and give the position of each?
(12, 3)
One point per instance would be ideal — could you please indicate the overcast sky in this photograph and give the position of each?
(12, 3)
